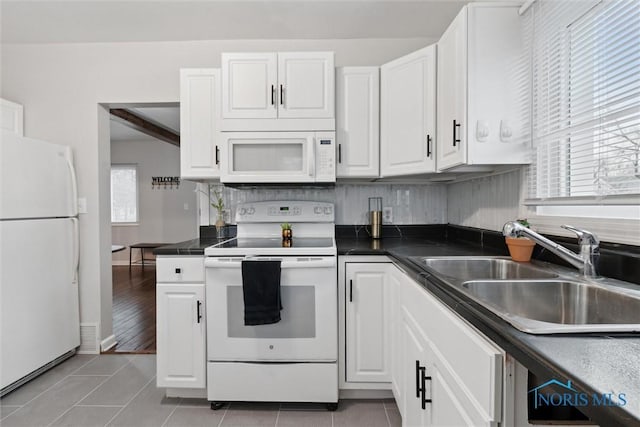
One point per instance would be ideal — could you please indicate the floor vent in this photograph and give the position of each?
(89, 338)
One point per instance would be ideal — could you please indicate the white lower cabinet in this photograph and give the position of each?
(368, 326)
(451, 374)
(181, 323)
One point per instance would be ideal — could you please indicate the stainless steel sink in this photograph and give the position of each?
(480, 268)
(551, 306)
(540, 298)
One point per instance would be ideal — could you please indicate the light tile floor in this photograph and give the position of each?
(120, 390)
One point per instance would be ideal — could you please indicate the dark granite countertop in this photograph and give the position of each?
(188, 247)
(595, 364)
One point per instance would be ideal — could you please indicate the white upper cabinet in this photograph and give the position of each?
(452, 83)
(481, 67)
(408, 115)
(306, 86)
(199, 123)
(249, 85)
(282, 86)
(357, 122)
(11, 117)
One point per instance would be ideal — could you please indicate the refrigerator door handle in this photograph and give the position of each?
(76, 249)
(74, 182)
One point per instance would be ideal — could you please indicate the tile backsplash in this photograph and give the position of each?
(411, 204)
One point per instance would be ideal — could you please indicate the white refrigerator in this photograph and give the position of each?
(39, 255)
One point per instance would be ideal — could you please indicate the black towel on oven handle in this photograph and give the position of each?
(261, 292)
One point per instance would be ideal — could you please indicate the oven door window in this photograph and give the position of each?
(298, 315)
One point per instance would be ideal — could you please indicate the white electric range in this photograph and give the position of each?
(295, 359)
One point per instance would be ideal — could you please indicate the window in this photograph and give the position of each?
(124, 193)
(585, 108)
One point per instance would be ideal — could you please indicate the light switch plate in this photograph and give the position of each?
(387, 215)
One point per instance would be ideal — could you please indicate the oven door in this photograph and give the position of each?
(307, 330)
(259, 157)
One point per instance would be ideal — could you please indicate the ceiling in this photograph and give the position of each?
(88, 21)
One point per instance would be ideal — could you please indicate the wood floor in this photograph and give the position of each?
(134, 309)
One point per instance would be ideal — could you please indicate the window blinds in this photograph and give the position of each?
(585, 57)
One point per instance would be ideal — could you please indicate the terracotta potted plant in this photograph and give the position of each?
(520, 248)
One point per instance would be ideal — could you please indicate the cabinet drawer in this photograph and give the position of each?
(180, 269)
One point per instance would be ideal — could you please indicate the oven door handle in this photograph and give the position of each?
(288, 262)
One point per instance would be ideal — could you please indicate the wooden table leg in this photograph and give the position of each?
(130, 250)
(142, 255)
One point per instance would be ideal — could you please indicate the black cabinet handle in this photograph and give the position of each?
(455, 131)
(350, 290)
(424, 388)
(339, 153)
(418, 370)
(428, 145)
(217, 155)
(198, 311)
(273, 95)
(178, 270)
(281, 95)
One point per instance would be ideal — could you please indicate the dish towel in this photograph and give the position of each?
(261, 291)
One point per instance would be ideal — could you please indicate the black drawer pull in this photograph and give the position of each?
(424, 389)
(199, 314)
(281, 95)
(217, 155)
(178, 270)
(350, 290)
(273, 95)
(339, 153)
(428, 145)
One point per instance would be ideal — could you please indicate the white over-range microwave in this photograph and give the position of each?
(278, 157)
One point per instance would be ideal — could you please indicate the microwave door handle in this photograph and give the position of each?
(312, 157)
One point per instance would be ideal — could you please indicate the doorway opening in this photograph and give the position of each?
(150, 207)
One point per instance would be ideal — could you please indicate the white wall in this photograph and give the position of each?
(161, 214)
(62, 85)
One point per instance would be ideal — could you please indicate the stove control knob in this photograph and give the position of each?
(243, 211)
(296, 211)
(317, 209)
(251, 210)
(327, 210)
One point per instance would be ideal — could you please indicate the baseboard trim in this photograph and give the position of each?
(120, 262)
(108, 343)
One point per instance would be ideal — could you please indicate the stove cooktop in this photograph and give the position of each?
(275, 246)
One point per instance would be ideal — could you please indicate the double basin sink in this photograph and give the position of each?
(538, 298)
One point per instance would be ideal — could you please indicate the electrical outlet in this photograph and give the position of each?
(387, 215)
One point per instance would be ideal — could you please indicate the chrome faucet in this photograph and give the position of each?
(586, 261)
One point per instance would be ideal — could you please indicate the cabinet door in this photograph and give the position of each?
(452, 94)
(415, 348)
(306, 85)
(408, 115)
(357, 122)
(249, 85)
(199, 123)
(397, 350)
(367, 322)
(181, 358)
